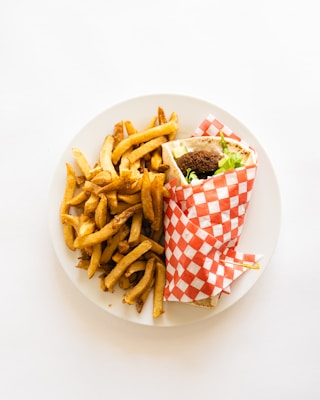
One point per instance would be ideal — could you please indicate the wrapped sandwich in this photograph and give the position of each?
(210, 179)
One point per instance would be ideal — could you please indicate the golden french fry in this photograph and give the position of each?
(102, 178)
(146, 197)
(159, 286)
(123, 247)
(117, 224)
(72, 220)
(82, 162)
(156, 246)
(123, 264)
(134, 187)
(173, 118)
(102, 285)
(138, 289)
(130, 198)
(93, 172)
(141, 300)
(69, 236)
(86, 225)
(156, 159)
(146, 148)
(90, 187)
(105, 155)
(124, 163)
(112, 199)
(117, 183)
(69, 190)
(117, 257)
(135, 267)
(118, 133)
(79, 198)
(108, 230)
(142, 137)
(130, 128)
(121, 206)
(91, 204)
(70, 187)
(83, 264)
(124, 282)
(101, 213)
(135, 230)
(94, 260)
(157, 201)
(113, 244)
(161, 116)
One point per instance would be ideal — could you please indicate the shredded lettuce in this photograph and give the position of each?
(190, 175)
(229, 160)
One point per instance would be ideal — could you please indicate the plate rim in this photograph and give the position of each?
(173, 96)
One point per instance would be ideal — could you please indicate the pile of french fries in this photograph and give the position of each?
(112, 212)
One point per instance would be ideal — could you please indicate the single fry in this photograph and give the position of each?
(161, 116)
(135, 229)
(105, 155)
(156, 159)
(102, 178)
(101, 213)
(142, 137)
(138, 289)
(86, 225)
(123, 264)
(93, 172)
(69, 190)
(112, 199)
(130, 128)
(146, 197)
(137, 266)
(117, 183)
(68, 231)
(82, 162)
(108, 230)
(72, 220)
(173, 118)
(156, 247)
(146, 148)
(141, 300)
(118, 133)
(157, 201)
(91, 204)
(130, 198)
(123, 247)
(94, 260)
(69, 236)
(79, 198)
(91, 187)
(159, 289)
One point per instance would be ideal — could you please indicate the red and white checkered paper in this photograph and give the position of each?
(203, 222)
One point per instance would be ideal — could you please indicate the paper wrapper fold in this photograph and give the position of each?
(203, 222)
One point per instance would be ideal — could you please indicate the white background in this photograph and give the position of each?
(61, 64)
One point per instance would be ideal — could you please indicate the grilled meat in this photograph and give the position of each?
(203, 163)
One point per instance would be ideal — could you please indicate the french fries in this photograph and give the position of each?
(112, 212)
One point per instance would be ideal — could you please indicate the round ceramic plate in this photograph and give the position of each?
(191, 111)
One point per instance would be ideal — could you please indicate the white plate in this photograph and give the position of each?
(260, 232)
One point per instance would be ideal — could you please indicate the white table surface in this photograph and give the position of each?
(62, 63)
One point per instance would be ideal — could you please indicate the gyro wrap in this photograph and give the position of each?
(203, 222)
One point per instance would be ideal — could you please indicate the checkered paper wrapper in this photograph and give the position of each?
(203, 222)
